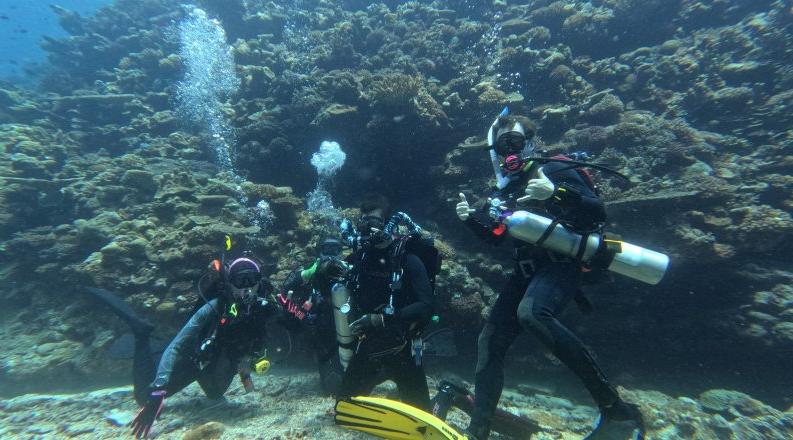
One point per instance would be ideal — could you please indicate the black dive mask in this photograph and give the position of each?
(330, 248)
(509, 143)
(370, 222)
(245, 279)
(372, 232)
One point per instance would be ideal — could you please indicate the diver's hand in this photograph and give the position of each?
(367, 322)
(332, 269)
(540, 188)
(148, 413)
(463, 208)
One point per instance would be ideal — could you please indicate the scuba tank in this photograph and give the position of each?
(340, 295)
(617, 256)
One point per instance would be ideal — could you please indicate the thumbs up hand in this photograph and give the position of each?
(463, 208)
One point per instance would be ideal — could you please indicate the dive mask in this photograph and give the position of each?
(244, 273)
(509, 143)
(330, 248)
(372, 231)
(245, 279)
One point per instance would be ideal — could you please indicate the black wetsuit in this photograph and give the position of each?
(208, 349)
(318, 322)
(538, 290)
(387, 353)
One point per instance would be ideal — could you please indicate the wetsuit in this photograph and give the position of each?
(538, 290)
(386, 353)
(318, 322)
(208, 349)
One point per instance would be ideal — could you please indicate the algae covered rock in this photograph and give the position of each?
(734, 404)
(207, 431)
(140, 179)
(336, 114)
(606, 111)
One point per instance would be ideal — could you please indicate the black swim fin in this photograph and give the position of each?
(620, 421)
(139, 326)
(124, 347)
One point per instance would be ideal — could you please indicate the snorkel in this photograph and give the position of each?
(501, 180)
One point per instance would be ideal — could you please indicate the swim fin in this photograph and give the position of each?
(124, 346)
(620, 421)
(139, 326)
(392, 420)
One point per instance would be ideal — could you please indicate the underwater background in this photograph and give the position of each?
(148, 130)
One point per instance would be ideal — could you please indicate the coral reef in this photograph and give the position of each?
(102, 183)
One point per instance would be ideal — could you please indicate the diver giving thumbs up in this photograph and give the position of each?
(463, 208)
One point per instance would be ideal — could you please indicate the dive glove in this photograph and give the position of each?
(463, 208)
(367, 322)
(332, 269)
(149, 412)
(540, 188)
(324, 270)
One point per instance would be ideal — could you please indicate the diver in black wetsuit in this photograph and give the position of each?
(217, 342)
(543, 282)
(389, 312)
(306, 296)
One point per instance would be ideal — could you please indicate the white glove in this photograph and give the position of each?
(540, 188)
(463, 208)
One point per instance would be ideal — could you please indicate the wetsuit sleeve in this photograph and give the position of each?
(416, 277)
(185, 342)
(279, 310)
(293, 282)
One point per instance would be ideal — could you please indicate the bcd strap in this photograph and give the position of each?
(349, 345)
(609, 247)
(547, 232)
(582, 246)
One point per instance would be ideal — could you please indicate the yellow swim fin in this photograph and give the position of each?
(392, 420)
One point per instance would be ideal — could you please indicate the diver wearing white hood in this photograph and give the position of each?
(543, 281)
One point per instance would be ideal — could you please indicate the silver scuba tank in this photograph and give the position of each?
(340, 296)
(630, 260)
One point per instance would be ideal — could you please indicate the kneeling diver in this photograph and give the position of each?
(216, 343)
(306, 296)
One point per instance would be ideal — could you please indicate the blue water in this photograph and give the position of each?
(22, 25)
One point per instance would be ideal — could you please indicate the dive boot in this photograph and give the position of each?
(455, 394)
(619, 421)
(476, 434)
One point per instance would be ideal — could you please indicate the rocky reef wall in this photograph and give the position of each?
(103, 184)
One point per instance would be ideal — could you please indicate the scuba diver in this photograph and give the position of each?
(382, 262)
(218, 341)
(543, 282)
(389, 292)
(306, 296)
